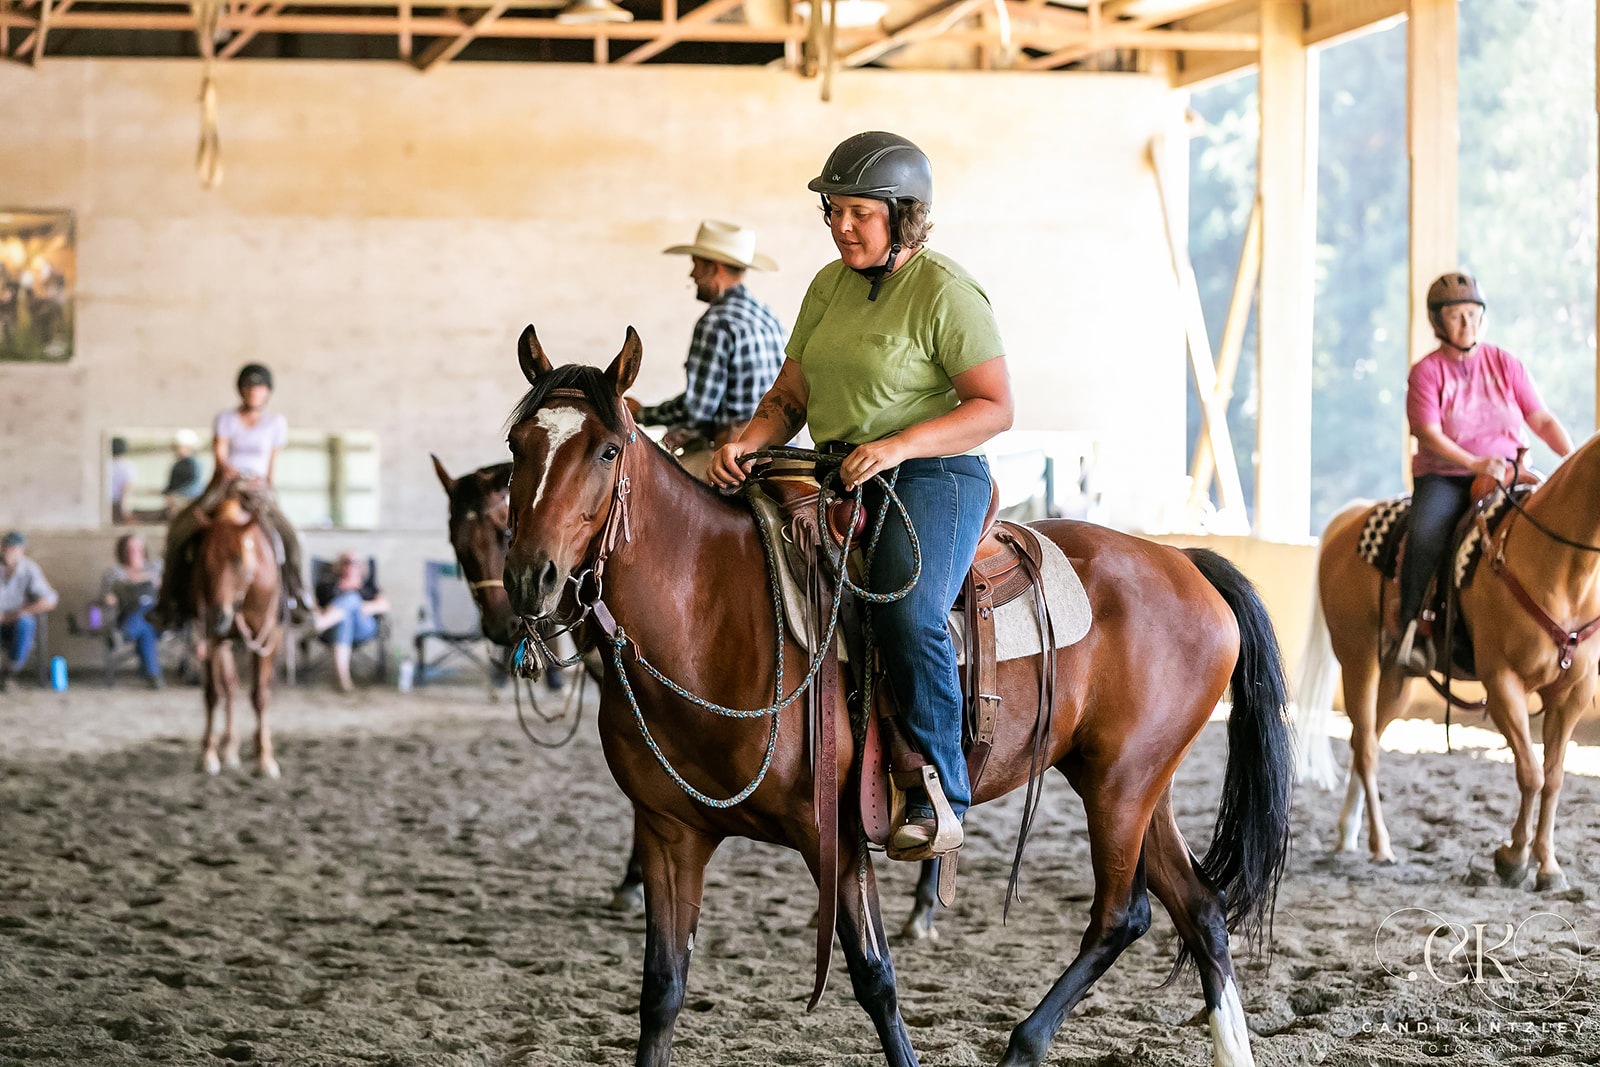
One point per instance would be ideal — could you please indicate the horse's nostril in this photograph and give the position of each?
(547, 578)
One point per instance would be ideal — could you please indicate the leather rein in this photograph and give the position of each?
(1566, 641)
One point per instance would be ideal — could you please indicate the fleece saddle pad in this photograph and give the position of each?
(1390, 520)
(1016, 629)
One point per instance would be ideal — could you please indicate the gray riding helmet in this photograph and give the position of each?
(879, 166)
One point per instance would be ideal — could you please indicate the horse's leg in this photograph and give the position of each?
(260, 694)
(1384, 693)
(230, 689)
(1508, 707)
(1198, 915)
(925, 901)
(866, 953)
(629, 894)
(1561, 714)
(1120, 914)
(210, 763)
(673, 859)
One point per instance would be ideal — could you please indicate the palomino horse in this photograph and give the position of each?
(480, 531)
(236, 597)
(681, 572)
(1536, 642)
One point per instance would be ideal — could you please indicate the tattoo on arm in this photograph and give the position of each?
(781, 411)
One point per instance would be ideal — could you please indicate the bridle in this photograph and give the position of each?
(587, 584)
(1566, 640)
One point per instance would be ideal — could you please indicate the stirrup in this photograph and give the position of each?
(1411, 655)
(947, 834)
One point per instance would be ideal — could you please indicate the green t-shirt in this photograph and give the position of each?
(873, 368)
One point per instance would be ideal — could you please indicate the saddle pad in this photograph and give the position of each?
(1379, 543)
(1381, 533)
(1016, 631)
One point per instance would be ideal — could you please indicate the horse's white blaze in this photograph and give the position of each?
(559, 426)
(1230, 1037)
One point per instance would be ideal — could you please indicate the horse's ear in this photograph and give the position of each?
(531, 355)
(625, 368)
(445, 480)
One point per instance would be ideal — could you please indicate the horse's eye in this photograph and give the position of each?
(609, 454)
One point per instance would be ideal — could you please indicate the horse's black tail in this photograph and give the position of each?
(1250, 842)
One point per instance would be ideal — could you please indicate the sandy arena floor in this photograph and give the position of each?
(425, 887)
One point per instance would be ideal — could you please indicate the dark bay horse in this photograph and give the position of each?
(236, 598)
(683, 573)
(480, 532)
(1551, 550)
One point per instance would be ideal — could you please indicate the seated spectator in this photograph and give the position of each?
(129, 591)
(351, 602)
(24, 594)
(184, 482)
(122, 473)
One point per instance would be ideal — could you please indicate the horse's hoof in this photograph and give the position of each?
(628, 899)
(269, 769)
(232, 763)
(1554, 882)
(919, 930)
(210, 764)
(1511, 874)
(1385, 858)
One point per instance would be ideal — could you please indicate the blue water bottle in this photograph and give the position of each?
(58, 673)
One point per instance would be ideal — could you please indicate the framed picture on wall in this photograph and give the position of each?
(38, 272)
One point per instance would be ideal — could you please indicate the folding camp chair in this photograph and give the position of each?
(120, 653)
(448, 617)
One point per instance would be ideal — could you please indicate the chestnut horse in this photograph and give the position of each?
(480, 531)
(1551, 549)
(236, 597)
(683, 575)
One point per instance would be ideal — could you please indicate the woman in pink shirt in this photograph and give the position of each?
(1467, 402)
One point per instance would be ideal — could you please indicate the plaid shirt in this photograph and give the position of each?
(733, 360)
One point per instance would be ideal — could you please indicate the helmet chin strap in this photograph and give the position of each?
(878, 273)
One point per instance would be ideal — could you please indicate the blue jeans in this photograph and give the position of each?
(356, 626)
(17, 637)
(946, 500)
(145, 638)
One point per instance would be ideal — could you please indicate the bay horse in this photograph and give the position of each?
(236, 597)
(1535, 643)
(681, 572)
(480, 531)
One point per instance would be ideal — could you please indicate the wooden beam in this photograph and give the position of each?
(1207, 462)
(1433, 145)
(405, 41)
(931, 21)
(447, 48)
(1071, 53)
(34, 42)
(244, 37)
(1288, 187)
(704, 14)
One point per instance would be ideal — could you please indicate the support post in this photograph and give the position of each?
(1288, 183)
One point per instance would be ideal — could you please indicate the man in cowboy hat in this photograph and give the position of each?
(736, 351)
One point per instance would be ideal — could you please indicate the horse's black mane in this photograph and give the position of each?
(593, 383)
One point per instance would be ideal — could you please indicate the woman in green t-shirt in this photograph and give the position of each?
(896, 359)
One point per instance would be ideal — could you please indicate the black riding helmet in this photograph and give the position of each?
(254, 374)
(878, 166)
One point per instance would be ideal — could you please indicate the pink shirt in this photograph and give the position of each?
(1481, 403)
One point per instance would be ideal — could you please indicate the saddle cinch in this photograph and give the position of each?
(1009, 565)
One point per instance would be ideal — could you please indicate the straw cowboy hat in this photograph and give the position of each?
(725, 243)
